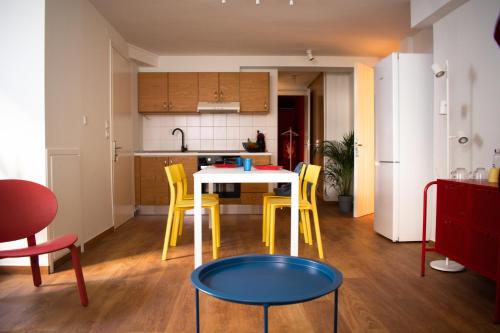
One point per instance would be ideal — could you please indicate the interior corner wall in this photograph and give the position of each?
(339, 113)
(464, 38)
(22, 102)
(419, 42)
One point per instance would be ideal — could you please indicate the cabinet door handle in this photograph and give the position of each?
(170, 106)
(164, 105)
(265, 106)
(221, 96)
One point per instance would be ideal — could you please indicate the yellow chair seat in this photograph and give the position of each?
(287, 202)
(189, 203)
(204, 196)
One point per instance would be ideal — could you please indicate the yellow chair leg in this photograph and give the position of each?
(214, 232)
(217, 219)
(265, 222)
(272, 224)
(308, 226)
(318, 233)
(303, 226)
(167, 234)
(268, 223)
(181, 223)
(175, 231)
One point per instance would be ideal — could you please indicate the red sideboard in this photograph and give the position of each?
(468, 227)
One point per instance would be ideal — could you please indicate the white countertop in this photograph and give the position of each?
(196, 153)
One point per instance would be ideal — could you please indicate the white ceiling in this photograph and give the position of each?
(240, 27)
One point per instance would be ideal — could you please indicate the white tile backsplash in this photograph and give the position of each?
(220, 133)
(220, 120)
(208, 131)
(193, 133)
(233, 133)
(207, 120)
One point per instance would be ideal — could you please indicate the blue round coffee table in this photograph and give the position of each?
(266, 280)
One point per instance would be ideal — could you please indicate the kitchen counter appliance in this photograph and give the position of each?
(224, 190)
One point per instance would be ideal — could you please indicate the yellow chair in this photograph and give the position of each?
(178, 205)
(305, 205)
(305, 226)
(190, 196)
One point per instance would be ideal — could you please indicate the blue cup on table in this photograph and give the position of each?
(239, 161)
(247, 164)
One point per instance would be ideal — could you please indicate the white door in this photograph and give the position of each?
(364, 140)
(121, 134)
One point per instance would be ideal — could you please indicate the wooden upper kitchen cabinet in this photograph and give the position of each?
(183, 92)
(254, 92)
(152, 92)
(219, 87)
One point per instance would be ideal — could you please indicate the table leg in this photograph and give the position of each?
(266, 310)
(197, 223)
(335, 310)
(294, 233)
(210, 191)
(197, 311)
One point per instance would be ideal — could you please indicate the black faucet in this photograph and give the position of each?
(183, 148)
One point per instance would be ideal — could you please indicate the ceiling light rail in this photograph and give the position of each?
(257, 2)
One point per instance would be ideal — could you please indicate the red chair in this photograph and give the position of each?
(25, 209)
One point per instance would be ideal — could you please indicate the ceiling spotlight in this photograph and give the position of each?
(309, 54)
(291, 2)
(437, 70)
(223, 1)
(257, 2)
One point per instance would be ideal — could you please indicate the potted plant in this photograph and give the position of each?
(339, 168)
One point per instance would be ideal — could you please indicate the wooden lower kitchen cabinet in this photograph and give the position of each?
(152, 183)
(251, 193)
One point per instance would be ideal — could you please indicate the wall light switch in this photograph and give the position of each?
(443, 107)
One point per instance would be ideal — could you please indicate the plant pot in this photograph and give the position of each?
(345, 203)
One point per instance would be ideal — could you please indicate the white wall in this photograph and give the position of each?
(426, 12)
(339, 112)
(465, 39)
(418, 42)
(234, 63)
(78, 46)
(22, 114)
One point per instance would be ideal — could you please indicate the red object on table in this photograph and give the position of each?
(268, 167)
(26, 209)
(225, 165)
(467, 227)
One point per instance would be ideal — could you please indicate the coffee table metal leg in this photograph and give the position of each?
(266, 307)
(335, 310)
(197, 311)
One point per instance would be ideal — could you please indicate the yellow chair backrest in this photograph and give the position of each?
(175, 182)
(311, 177)
(182, 173)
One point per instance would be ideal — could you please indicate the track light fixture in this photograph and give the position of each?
(437, 70)
(309, 54)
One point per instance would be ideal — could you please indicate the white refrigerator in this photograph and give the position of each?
(403, 143)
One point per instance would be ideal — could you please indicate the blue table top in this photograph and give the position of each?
(266, 279)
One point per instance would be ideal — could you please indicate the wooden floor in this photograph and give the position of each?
(132, 290)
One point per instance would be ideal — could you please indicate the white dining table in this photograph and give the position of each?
(213, 174)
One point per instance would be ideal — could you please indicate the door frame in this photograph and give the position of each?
(110, 130)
